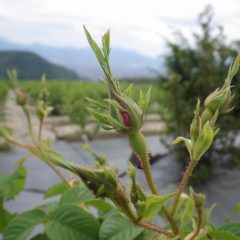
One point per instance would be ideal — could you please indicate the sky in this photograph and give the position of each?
(139, 25)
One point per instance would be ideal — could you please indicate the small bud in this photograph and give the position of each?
(203, 142)
(199, 200)
(21, 97)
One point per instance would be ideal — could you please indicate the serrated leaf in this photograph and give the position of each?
(11, 186)
(22, 225)
(233, 228)
(100, 205)
(5, 216)
(76, 195)
(116, 227)
(224, 235)
(70, 222)
(154, 204)
(56, 189)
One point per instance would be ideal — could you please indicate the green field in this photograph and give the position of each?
(68, 97)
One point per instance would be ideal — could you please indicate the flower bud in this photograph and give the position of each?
(21, 97)
(203, 142)
(199, 200)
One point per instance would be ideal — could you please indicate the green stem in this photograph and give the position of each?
(40, 130)
(28, 117)
(139, 146)
(183, 184)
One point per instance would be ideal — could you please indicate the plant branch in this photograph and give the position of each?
(29, 121)
(40, 130)
(182, 184)
(154, 228)
(56, 170)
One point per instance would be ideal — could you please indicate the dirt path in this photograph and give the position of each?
(15, 121)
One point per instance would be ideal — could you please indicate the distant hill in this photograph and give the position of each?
(31, 66)
(124, 63)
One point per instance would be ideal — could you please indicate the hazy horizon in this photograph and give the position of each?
(140, 26)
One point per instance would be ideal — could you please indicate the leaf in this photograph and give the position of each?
(128, 91)
(116, 227)
(223, 235)
(22, 225)
(5, 216)
(106, 44)
(70, 222)
(147, 99)
(56, 189)
(76, 195)
(233, 228)
(11, 186)
(154, 204)
(187, 142)
(100, 205)
(203, 142)
(97, 51)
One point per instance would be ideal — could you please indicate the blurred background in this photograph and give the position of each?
(182, 48)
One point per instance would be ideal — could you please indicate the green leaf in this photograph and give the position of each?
(203, 142)
(147, 99)
(56, 189)
(128, 91)
(187, 142)
(11, 186)
(106, 44)
(95, 48)
(76, 195)
(70, 222)
(5, 216)
(233, 228)
(100, 205)
(224, 235)
(154, 204)
(116, 227)
(106, 119)
(22, 225)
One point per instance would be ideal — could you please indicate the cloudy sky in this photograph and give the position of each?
(140, 25)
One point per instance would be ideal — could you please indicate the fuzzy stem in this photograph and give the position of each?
(28, 117)
(56, 170)
(182, 185)
(139, 146)
(154, 228)
(40, 130)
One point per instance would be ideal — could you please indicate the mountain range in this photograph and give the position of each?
(124, 63)
(31, 66)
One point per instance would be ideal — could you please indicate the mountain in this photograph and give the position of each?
(31, 66)
(124, 63)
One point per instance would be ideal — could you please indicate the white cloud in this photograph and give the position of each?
(140, 25)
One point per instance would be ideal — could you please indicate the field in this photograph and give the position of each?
(68, 97)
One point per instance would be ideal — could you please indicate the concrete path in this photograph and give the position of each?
(223, 189)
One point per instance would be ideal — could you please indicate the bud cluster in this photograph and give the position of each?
(202, 129)
(123, 114)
